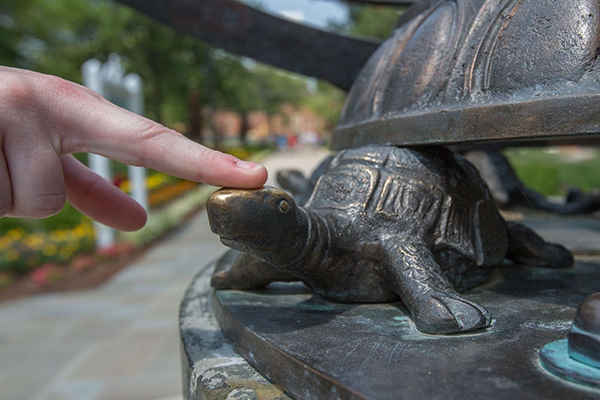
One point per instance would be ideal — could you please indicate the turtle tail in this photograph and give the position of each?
(527, 247)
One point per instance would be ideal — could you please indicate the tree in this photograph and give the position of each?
(57, 37)
(181, 75)
(327, 103)
(373, 21)
(248, 86)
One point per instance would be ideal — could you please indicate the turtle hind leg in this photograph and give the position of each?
(526, 247)
(237, 270)
(435, 305)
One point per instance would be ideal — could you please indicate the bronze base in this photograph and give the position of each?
(315, 348)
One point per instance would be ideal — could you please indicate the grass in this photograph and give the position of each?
(169, 218)
(69, 217)
(553, 171)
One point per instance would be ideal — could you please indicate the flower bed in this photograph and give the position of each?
(43, 256)
(21, 251)
(165, 194)
(153, 181)
(83, 271)
(58, 253)
(162, 188)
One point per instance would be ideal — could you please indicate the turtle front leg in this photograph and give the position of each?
(435, 305)
(237, 270)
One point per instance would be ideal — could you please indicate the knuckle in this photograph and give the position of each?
(149, 130)
(58, 86)
(70, 94)
(210, 157)
(43, 205)
(18, 94)
(149, 134)
(37, 95)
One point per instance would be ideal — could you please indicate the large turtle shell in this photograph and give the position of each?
(424, 194)
(476, 70)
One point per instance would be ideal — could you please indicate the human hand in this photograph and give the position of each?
(45, 118)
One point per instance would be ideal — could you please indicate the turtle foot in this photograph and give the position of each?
(220, 280)
(223, 267)
(243, 271)
(229, 272)
(225, 279)
(444, 313)
(526, 247)
(231, 279)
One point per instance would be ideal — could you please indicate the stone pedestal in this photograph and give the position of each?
(212, 368)
(317, 349)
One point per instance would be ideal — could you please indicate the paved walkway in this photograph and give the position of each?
(119, 341)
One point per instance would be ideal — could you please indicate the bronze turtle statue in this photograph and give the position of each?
(383, 223)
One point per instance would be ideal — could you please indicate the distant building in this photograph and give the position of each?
(290, 121)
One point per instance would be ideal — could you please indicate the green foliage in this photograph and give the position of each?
(328, 104)
(69, 217)
(553, 174)
(373, 21)
(57, 36)
(181, 75)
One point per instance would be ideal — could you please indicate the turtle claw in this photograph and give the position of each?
(233, 277)
(446, 313)
(223, 266)
(220, 280)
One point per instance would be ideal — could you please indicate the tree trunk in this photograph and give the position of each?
(244, 128)
(195, 121)
(216, 132)
(155, 63)
(218, 137)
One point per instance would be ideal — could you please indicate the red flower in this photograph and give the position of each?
(83, 262)
(46, 274)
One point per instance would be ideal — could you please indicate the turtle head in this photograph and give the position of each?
(263, 221)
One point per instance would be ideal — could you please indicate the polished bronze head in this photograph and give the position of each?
(253, 220)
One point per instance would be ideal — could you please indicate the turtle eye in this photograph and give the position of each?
(284, 206)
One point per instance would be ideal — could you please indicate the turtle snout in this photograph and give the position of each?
(256, 217)
(235, 211)
(221, 208)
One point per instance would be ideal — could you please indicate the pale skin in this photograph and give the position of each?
(43, 119)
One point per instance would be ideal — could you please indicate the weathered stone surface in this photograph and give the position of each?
(580, 235)
(212, 368)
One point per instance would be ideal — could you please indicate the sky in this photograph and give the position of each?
(310, 12)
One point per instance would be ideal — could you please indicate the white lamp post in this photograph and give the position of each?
(108, 80)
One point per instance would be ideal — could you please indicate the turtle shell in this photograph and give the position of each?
(427, 193)
(476, 70)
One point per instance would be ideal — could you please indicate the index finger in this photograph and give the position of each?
(84, 121)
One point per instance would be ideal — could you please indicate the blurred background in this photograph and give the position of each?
(226, 102)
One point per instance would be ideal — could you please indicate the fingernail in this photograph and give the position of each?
(248, 165)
